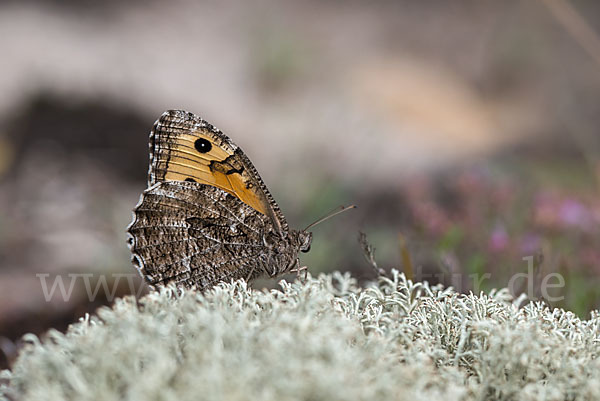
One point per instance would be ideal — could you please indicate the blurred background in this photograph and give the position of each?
(466, 132)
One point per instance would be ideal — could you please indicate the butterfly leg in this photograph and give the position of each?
(299, 268)
(250, 274)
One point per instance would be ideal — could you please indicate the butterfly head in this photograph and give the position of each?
(304, 241)
(283, 250)
(299, 241)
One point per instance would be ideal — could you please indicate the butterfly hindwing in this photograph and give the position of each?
(199, 235)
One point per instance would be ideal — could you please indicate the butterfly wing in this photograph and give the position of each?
(183, 147)
(199, 235)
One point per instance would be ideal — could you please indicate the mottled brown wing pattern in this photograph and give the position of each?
(197, 235)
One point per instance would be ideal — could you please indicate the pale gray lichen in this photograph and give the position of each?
(322, 339)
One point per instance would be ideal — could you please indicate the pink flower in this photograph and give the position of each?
(530, 243)
(574, 213)
(499, 239)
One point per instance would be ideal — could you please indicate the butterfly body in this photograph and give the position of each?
(206, 215)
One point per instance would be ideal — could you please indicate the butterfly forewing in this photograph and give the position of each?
(183, 147)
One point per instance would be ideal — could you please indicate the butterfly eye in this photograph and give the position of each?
(202, 145)
(306, 239)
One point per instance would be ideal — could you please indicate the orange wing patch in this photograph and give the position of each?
(198, 157)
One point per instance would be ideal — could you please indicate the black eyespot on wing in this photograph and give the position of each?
(202, 145)
(190, 179)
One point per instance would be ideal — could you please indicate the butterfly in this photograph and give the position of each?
(207, 216)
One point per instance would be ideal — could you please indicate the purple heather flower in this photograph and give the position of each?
(574, 213)
(530, 243)
(499, 239)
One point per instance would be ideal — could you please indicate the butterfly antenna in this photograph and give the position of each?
(329, 215)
